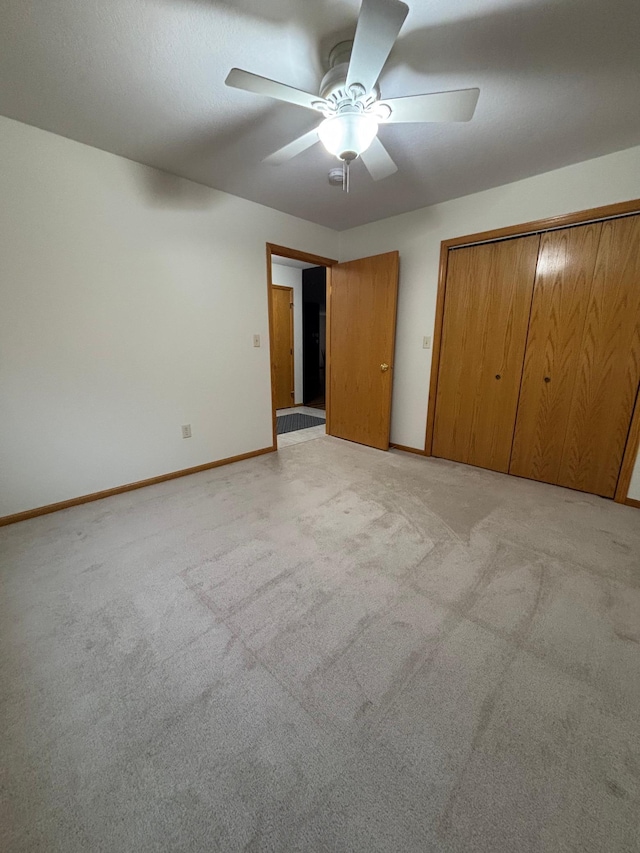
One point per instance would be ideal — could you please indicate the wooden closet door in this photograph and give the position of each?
(486, 314)
(608, 370)
(566, 262)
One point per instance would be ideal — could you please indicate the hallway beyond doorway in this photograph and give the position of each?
(301, 435)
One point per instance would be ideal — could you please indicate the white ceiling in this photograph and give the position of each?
(559, 80)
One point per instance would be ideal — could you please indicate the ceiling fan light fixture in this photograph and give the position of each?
(349, 98)
(348, 135)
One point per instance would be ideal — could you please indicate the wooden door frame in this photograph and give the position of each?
(307, 258)
(582, 217)
(291, 338)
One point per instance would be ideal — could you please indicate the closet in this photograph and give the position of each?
(540, 354)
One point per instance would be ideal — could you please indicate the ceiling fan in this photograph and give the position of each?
(350, 100)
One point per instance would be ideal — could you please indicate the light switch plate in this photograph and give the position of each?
(256, 340)
(426, 342)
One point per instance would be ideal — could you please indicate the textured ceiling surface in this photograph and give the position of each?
(559, 81)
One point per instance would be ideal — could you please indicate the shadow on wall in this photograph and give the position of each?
(163, 189)
(210, 156)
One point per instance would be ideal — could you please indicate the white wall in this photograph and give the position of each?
(292, 277)
(128, 302)
(634, 486)
(417, 236)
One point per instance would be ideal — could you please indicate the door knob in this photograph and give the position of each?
(384, 367)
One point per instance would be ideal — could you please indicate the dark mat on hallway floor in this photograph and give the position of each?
(291, 423)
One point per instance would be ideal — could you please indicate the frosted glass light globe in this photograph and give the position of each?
(348, 135)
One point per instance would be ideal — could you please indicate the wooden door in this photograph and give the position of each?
(361, 325)
(484, 331)
(566, 263)
(282, 350)
(608, 367)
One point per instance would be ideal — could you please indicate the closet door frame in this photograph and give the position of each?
(582, 217)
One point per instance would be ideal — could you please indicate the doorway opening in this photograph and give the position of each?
(297, 284)
(354, 369)
(314, 337)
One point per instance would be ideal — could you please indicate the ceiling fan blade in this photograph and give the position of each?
(379, 23)
(438, 106)
(282, 155)
(378, 161)
(239, 79)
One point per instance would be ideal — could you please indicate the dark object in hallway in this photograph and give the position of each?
(291, 423)
(314, 313)
(318, 403)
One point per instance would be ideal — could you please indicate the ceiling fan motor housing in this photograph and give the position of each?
(333, 86)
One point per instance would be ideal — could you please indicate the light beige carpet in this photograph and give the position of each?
(327, 649)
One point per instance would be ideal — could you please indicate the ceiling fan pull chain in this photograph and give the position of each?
(345, 175)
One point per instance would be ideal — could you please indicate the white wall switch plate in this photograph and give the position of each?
(426, 342)
(256, 340)
(186, 430)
